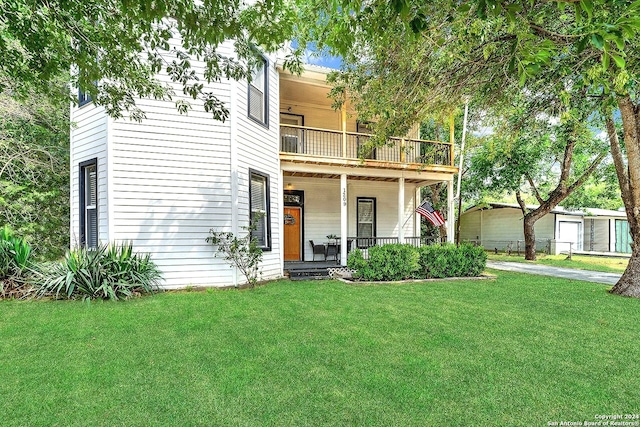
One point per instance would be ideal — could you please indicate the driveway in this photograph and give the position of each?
(546, 270)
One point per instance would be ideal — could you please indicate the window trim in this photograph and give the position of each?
(265, 96)
(83, 202)
(253, 172)
(365, 242)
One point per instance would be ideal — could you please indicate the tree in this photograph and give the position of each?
(423, 55)
(553, 160)
(34, 172)
(115, 49)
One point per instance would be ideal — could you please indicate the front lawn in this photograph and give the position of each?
(580, 262)
(519, 350)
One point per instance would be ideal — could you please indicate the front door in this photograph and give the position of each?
(292, 233)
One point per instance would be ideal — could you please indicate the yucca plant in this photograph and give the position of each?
(108, 272)
(15, 264)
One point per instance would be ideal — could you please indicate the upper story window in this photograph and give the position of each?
(258, 87)
(83, 98)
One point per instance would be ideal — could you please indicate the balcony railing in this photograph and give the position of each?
(306, 141)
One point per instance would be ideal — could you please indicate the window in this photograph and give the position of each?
(83, 98)
(291, 137)
(366, 208)
(259, 208)
(364, 150)
(89, 203)
(258, 103)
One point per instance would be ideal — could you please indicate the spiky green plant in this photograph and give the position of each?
(15, 264)
(108, 272)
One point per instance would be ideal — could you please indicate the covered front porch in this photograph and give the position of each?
(325, 206)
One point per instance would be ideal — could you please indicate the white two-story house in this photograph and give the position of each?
(284, 153)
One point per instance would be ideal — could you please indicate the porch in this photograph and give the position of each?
(319, 269)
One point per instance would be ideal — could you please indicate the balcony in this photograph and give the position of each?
(333, 147)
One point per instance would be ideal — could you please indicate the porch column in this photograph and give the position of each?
(343, 111)
(450, 212)
(417, 228)
(343, 219)
(401, 210)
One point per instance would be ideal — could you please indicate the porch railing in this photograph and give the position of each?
(351, 145)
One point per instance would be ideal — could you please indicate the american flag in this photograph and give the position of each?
(426, 210)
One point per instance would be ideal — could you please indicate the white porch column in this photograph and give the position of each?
(401, 210)
(417, 226)
(451, 220)
(343, 219)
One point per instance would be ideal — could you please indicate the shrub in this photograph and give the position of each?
(15, 264)
(356, 261)
(242, 252)
(398, 262)
(448, 260)
(109, 271)
(388, 262)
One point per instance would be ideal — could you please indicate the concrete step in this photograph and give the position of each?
(309, 274)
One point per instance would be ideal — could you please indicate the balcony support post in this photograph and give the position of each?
(403, 156)
(417, 226)
(450, 212)
(343, 112)
(452, 140)
(343, 220)
(401, 210)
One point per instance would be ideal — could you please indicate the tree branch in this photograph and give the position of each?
(578, 182)
(535, 189)
(523, 207)
(618, 160)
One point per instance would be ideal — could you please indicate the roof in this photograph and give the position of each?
(590, 212)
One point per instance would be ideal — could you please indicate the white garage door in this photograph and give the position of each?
(568, 232)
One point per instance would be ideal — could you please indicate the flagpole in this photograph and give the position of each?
(460, 163)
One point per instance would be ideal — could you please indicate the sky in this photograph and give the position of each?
(314, 57)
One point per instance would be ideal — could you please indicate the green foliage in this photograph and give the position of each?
(387, 262)
(15, 264)
(34, 172)
(448, 260)
(108, 272)
(398, 262)
(242, 252)
(116, 49)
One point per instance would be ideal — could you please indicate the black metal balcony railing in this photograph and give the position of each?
(350, 145)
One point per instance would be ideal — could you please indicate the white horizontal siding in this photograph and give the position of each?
(322, 208)
(257, 148)
(88, 140)
(172, 183)
(470, 226)
(503, 225)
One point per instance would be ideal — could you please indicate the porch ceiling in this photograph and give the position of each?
(356, 177)
(427, 176)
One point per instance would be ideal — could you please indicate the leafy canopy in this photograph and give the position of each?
(116, 48)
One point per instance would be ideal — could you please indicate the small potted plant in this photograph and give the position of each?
(332, 238)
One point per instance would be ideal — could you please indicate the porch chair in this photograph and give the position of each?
(318, 250)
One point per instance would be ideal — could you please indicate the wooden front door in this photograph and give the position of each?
(292, 233)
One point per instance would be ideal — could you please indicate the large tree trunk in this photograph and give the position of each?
(529, 238)
(629, 179)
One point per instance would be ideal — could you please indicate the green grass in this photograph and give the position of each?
(518, 350)
(580, 262)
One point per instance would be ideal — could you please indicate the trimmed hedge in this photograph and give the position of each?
(403, 261)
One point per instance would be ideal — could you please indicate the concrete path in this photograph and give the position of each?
(546, 270)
